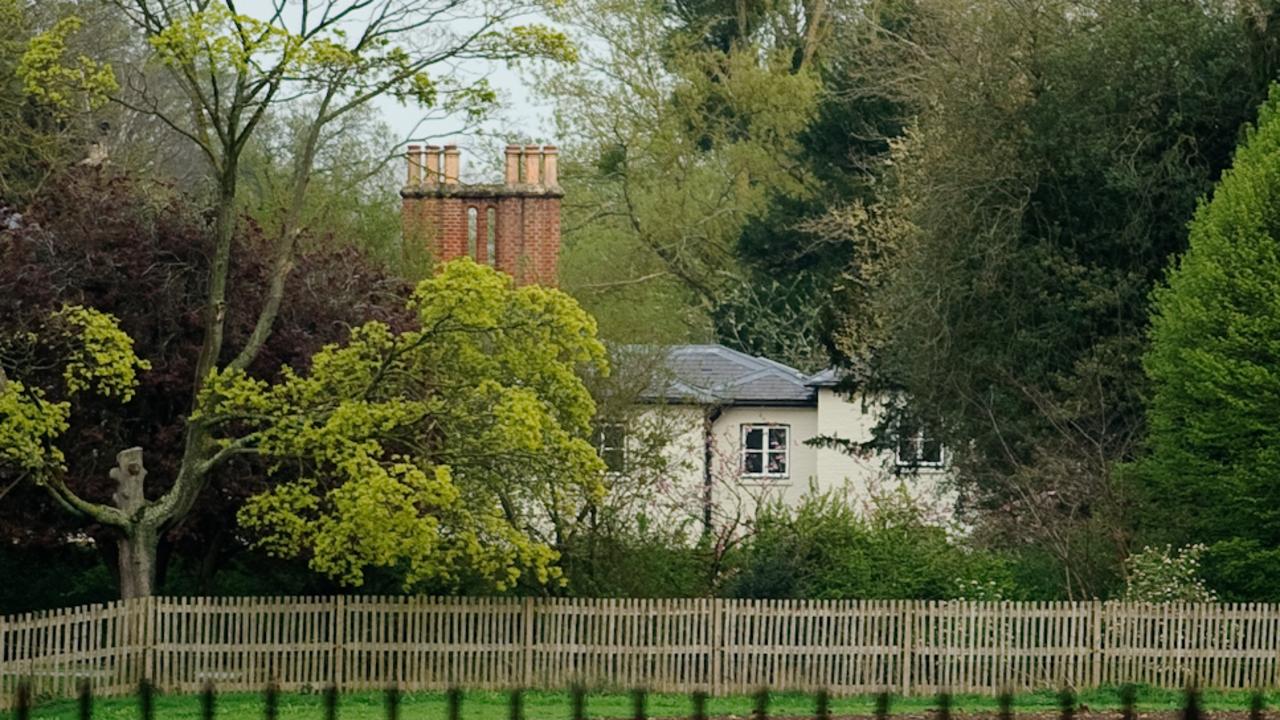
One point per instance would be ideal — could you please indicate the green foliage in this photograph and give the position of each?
(1214, 367)
(1043, 188)
(431, 450)
(825, 548)
(50, 78)
(348, 200)
(95, 355)
(675, 146)
(636, 558)
(37, 141)
(1166, 575)
(101, 356)
(29, 427)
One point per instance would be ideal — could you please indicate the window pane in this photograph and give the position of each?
(613, 435)
(908, 450)
(754, 439)
(490, 228)
(472, 217)
(753, 463)
(777, 463)
(931, 451)
(614, 459)
(777, 438)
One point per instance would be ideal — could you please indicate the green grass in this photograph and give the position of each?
(556, 705)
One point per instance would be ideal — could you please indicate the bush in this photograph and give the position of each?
(1166, 575)
(1214, 437)
(824, 548)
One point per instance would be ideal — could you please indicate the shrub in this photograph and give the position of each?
(824, 548)
(1163, 574)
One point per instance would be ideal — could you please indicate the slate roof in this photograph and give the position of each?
(825, 378)
(715, 374)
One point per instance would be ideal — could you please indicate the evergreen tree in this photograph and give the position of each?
(1213, 473)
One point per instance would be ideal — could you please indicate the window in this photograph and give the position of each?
(917, 447)
(765, 450)
(491, 237)
(611, 443)
(473, 217)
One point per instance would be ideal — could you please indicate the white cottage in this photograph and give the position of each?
(747, 428)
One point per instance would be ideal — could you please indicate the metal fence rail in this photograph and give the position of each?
(670, 645)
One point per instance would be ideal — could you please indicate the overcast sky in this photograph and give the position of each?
(519, 114)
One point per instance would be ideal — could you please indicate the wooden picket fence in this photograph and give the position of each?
(670, 645)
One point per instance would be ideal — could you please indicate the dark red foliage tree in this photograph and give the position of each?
(140, 251)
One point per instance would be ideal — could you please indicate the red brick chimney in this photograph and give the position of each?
(514, 226)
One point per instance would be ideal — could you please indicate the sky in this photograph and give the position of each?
(519, 113)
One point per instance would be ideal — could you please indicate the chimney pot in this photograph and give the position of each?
(512, 176)
(451, 164)
(551, 166)
(414, 155)
(433, 164)
(532, 163)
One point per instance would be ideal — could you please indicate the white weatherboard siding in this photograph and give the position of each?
(735, 391)
(802, 423)
(849, 419)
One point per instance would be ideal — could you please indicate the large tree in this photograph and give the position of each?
(232, 70)
(139, 251)
(1028, 213)
(443, 444)
(673, 147)
(1213, 473)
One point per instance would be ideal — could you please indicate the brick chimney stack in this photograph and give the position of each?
(513, 226)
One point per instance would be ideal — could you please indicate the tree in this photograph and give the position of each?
(438, 448)
(139, 251)
(1213, 462)
(444, 452)
(47, 89)
(1042, 188)
(674, 147)
(232, 70)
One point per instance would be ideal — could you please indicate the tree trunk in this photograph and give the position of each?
(137, 563)
(138, 547)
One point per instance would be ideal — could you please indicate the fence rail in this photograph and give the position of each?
(669, 645)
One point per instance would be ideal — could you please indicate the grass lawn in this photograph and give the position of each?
(556, 705)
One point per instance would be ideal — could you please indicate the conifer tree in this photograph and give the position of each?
(1213, 473)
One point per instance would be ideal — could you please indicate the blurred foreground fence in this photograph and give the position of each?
(670, 645)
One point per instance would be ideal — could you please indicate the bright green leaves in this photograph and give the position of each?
(215, 36)
(1214, 365)
(97, 356)
(101, 356)
(440, 451)
(534, 41)
(29, 426)
(62, 83)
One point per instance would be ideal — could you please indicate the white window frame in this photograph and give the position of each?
(765, 452)
(918, 438)
(602, 447)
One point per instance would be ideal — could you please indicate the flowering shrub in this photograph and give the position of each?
(1164, 574)
(984, 590)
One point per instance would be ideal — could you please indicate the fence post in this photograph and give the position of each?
(526, 649)
(339, 641)
(904, 665)
(1095, 616)
(150, 610)
(717, 638)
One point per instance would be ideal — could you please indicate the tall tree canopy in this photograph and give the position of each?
(232, 70)
(1002, 278)
(139, 251)
(1214, 463)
